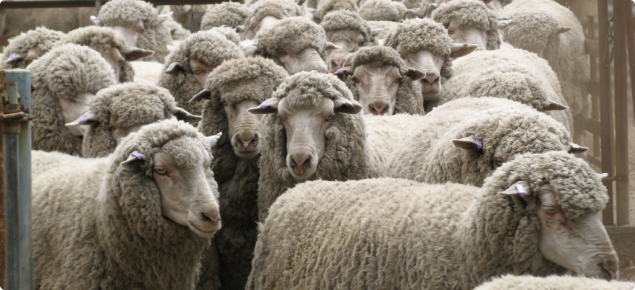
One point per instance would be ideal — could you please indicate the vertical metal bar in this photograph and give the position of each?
(12, 182)
(630, 41)
(605, 107)
(3, 250)
(621, 110)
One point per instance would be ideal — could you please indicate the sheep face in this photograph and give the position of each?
(244, 128)
(336, 59)
(427, 63)
(467, 34)
(186, 193)
(580, 244)
(307, 59)
(22, 61)
(200, 71)
(73, 108)
(130, 34)
(337, 53)
(305, 128)
(533, 31)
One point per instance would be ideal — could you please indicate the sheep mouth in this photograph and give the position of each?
(205, 233)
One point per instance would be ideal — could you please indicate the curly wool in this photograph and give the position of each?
(565, 52)
(120, 239)
(345, 154)
(192, 19)
(472, 13)
(553, 282)
(234, 81)
(386, 27)
(328, 6)
(128, 13)
(276, 8)
(63, 72)
(409, 97)
(40, 39)
(508, 73)
(322, 234)
(208, 47)
(177, 32)
(229, 14)
(132, 104)
(228, 32)
(382, 10)
(499, 123)
(343, 25)
(293, 34)
(103, 40)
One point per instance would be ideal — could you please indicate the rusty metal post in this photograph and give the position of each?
(621, 110)
(606, 114)
(17, 179)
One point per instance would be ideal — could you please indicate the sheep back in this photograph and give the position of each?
(553, 282)
(229, 14)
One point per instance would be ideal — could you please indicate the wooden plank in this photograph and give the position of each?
(592, 47)
(593, 126)
(586, 8)
(594, 88)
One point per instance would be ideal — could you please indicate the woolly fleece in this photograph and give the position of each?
(208, 47)
(343, 25)
(128, 13)
(409, 98)
(382, 10)
(386, 27)
(276, 8)
(507, 73)
(132, 104)
(328, 6)
(192, 19)
(511, 126)
(109, 217)
(565, 52)
(63, 72)
(40, 39)
(399, 234)
(103, 40)
(345, 154)
(510, 282)
(230, 14)
(471, 13)
(234, 81)
(177, 32)
(229, 33)
(293, 34)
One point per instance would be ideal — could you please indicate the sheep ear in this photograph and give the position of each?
(269, 106)
(249, 47)
(300, 2)
(415, 74)
(564, 29)
(183, 115)
(133, 159)
(344, 72)
(575, 148)
(14, 58)
(520, 188)
(342, 105)
(174, 68)
(462, 49)
(87, 118)
(331, 46)
(375, 32)
(134, 53)
(212, 140)
(31, 54)
(469, 143)
(553, 106)
(502, 23)
(164, 17)
(427, 13)
(202, 95)
(240, 28)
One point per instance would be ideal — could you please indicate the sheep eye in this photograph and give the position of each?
(498, 163)
(330, 118)
(551, 211)
(161, 171)
(281, 52)
(355, 80)
(225, 104)
(450, 31)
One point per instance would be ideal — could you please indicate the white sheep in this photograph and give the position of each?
(539, 215)
(510, 282)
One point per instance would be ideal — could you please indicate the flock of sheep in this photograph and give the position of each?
(340, 144)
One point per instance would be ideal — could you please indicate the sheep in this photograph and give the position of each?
(538, 215)
(265, 13)
(381, 82)
(324, 7)
(384, 134)
(382, 10)
(63, 82)
(147, 71)
(349, 31)
(177, 32)
(422, 9)
(189, 16)
(138, 218)
(464, 140)
(59, 19)
(553, 32)
(122, 109)
(425, 46)
(230, 14)
(295, 43)
(311, 131)
(469, 21)
(383, 29)
(231, 89)
(188, 65)
(139, 24)
(111, 46)
(509, 73)
(28, 46)
(510, 282)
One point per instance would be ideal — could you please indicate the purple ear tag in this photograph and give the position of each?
(413, 9)
(137, 155)
(82, 119)
(93, 19)
(468, 97)
(312, 10)
(264, 104)
(521, 190)
(479, 142)
(340, 71)
(14, 57)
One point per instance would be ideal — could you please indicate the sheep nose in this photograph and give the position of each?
(431, 78)
(303, 160)
(611, 266)
(212, 217)
(336, 64)
(378, 108)
(247, 139)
